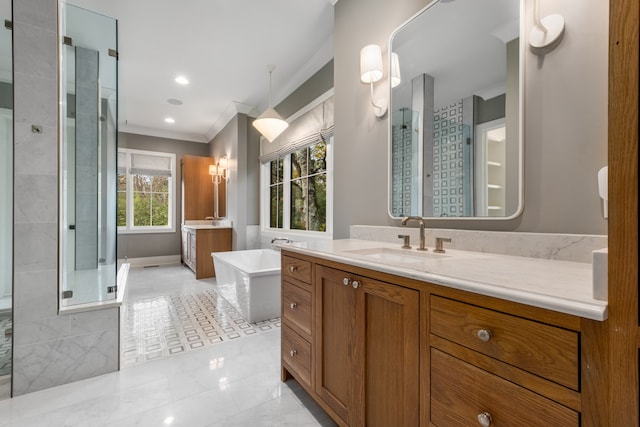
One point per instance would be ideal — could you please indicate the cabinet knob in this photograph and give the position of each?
(484, 334)
(293, 305)
(346, 281)
(484, 419)
(293, 268)
(355, 284)
(293, 354)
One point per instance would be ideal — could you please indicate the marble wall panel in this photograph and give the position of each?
(563, 247)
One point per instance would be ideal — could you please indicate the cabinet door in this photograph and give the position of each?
(390, 330)
(197, 188)
(366, 349)
(335, 336)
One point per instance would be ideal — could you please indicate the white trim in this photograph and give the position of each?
(265, 200)
(151, 261)
(130, 229)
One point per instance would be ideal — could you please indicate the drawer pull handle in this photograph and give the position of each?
(484, 419)
(355, 284)
(346, 281)
(293, 354)
(293, 268)
(484, 335)
(293, 305)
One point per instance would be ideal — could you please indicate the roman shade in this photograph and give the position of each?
(307, 129)
(145, 164)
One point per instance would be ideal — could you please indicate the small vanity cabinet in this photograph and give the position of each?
(197, 245)
(376, 349)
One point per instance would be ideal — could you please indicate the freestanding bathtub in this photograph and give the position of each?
(250, 281)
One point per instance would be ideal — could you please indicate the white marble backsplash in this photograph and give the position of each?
(562, 247)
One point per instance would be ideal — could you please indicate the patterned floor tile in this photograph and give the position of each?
(161, 326)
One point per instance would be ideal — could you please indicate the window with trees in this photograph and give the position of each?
(298, 189)
(146, 191)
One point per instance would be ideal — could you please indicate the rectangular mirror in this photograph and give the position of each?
(455, 116)
(88, 157)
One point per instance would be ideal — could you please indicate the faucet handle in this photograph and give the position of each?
(406, 242)
(439, 244)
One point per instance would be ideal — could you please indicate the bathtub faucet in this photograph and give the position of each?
(280, 239)
(276, 240)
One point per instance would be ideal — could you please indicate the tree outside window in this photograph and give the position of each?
(145, 190)
(309, 188)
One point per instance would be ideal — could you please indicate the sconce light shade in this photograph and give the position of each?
(213, 170)
(395, 70)
(270, 124)
(370, 63)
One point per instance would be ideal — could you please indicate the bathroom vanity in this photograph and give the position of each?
(379, 335)
(198, 241)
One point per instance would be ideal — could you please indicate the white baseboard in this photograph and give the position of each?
(151, 261)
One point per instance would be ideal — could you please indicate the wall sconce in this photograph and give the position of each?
(219, 171)
(371, 72)
(547, 30)
(270, 124)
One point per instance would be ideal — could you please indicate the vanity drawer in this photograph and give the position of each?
(296, 268)
(461, 392)
(541, 349)
(296, 353)
(296, 306)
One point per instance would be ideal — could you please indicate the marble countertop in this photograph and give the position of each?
(563, 286)
(205, 226)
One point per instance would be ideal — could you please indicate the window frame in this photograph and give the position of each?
(132, 229)
(265, 202)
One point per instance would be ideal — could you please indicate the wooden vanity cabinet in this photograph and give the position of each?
(197, 245)
(364, 341)
(374, 349)
(501, 363)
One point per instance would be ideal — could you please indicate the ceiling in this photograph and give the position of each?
(224, 48)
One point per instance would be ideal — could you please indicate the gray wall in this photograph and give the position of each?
(49, 349)
(565, 124)
(158, 244)
(239, 141)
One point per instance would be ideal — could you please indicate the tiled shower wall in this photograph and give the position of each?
(49, 349)
(448, 191)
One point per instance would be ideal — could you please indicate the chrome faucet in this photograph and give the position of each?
(280, 239)
(421, 222)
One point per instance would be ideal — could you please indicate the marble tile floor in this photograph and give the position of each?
(232, 383)
(165, 325)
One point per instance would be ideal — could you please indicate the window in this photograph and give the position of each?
(299, 190)
(146, 191)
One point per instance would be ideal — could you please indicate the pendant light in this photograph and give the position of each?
(269, 123)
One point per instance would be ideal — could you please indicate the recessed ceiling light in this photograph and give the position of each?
(173, 101)
(182, 80)
(169, 120)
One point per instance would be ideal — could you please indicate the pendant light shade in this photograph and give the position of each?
(270, 124)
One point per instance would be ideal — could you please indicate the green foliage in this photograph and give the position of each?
(150, 200)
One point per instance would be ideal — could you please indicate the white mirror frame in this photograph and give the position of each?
(521, 85)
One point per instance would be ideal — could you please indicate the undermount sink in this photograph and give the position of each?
(398, 256)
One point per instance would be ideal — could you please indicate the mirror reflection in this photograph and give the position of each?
(88, 157)
(6, 198)
(455, 141)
